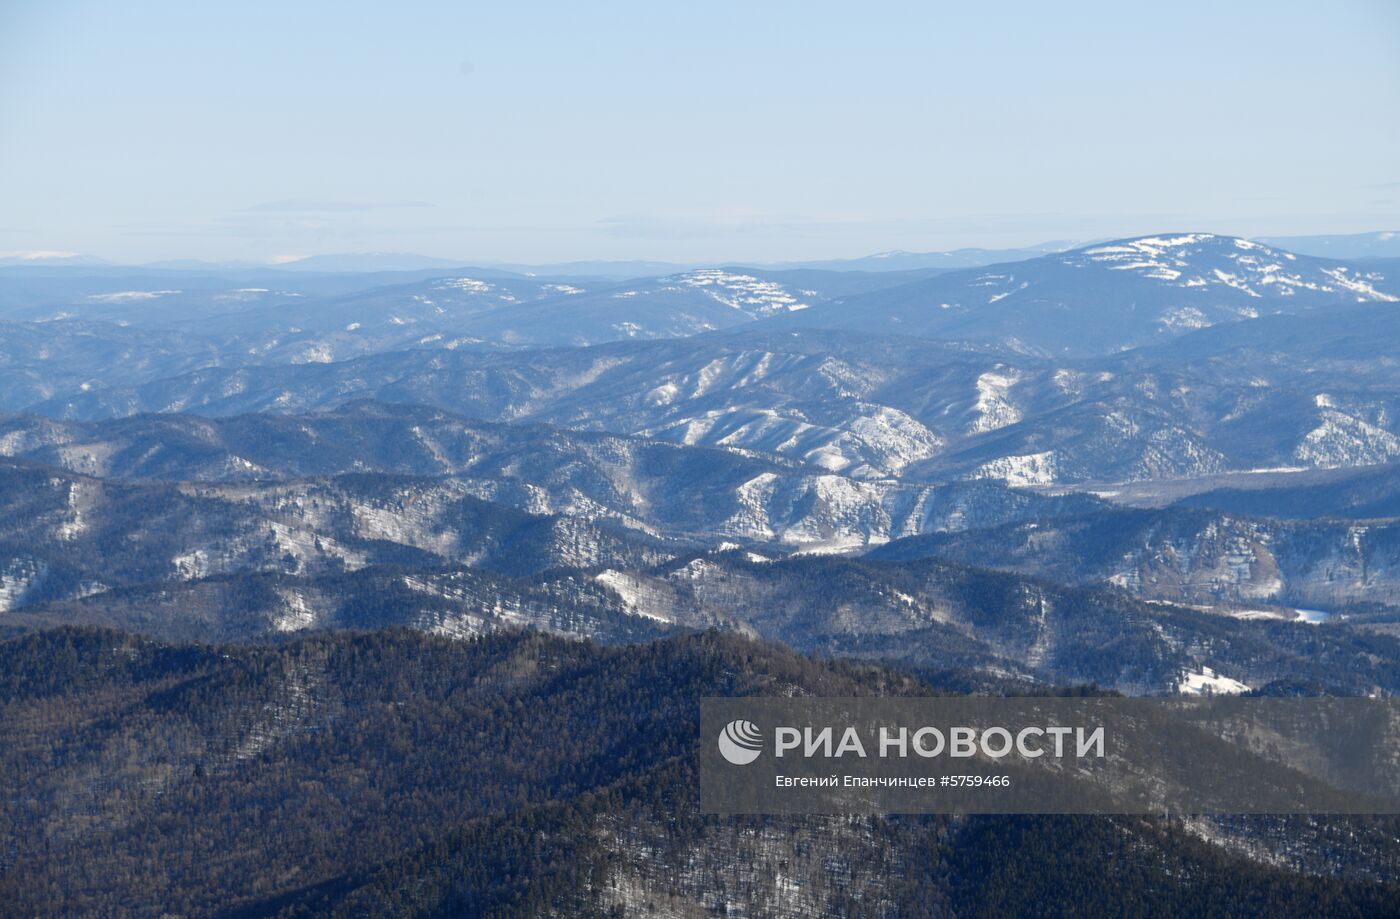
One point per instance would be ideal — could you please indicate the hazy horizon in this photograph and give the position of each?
(722, 134)
(410, 259)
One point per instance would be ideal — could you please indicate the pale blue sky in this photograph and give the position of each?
(699, 131)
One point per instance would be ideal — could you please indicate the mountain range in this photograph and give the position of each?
(298, 564)
(1227, 398)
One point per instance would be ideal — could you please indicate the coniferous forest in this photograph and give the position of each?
(518, 774)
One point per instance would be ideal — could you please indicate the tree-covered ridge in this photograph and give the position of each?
(517, 773)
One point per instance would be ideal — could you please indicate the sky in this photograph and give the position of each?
(533, 132)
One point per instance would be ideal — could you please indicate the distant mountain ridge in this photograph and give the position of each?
(1383, 244)
(603, 269)
(900, 260)
(1085, 302)
(1107, 297)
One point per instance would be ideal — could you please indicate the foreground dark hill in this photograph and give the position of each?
(522, 775)
(369, 746)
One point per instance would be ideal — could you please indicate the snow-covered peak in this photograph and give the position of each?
(743, 292)
(127, 296)
(470, 285)
(1205, 260)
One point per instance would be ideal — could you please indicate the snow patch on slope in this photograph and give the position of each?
(1027, 469)
(1207, 681)
(16, 579)
(633, 592)
(994, 407)
(1345, 439)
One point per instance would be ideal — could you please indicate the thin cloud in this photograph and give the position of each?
(34, 255)
(327, 206)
